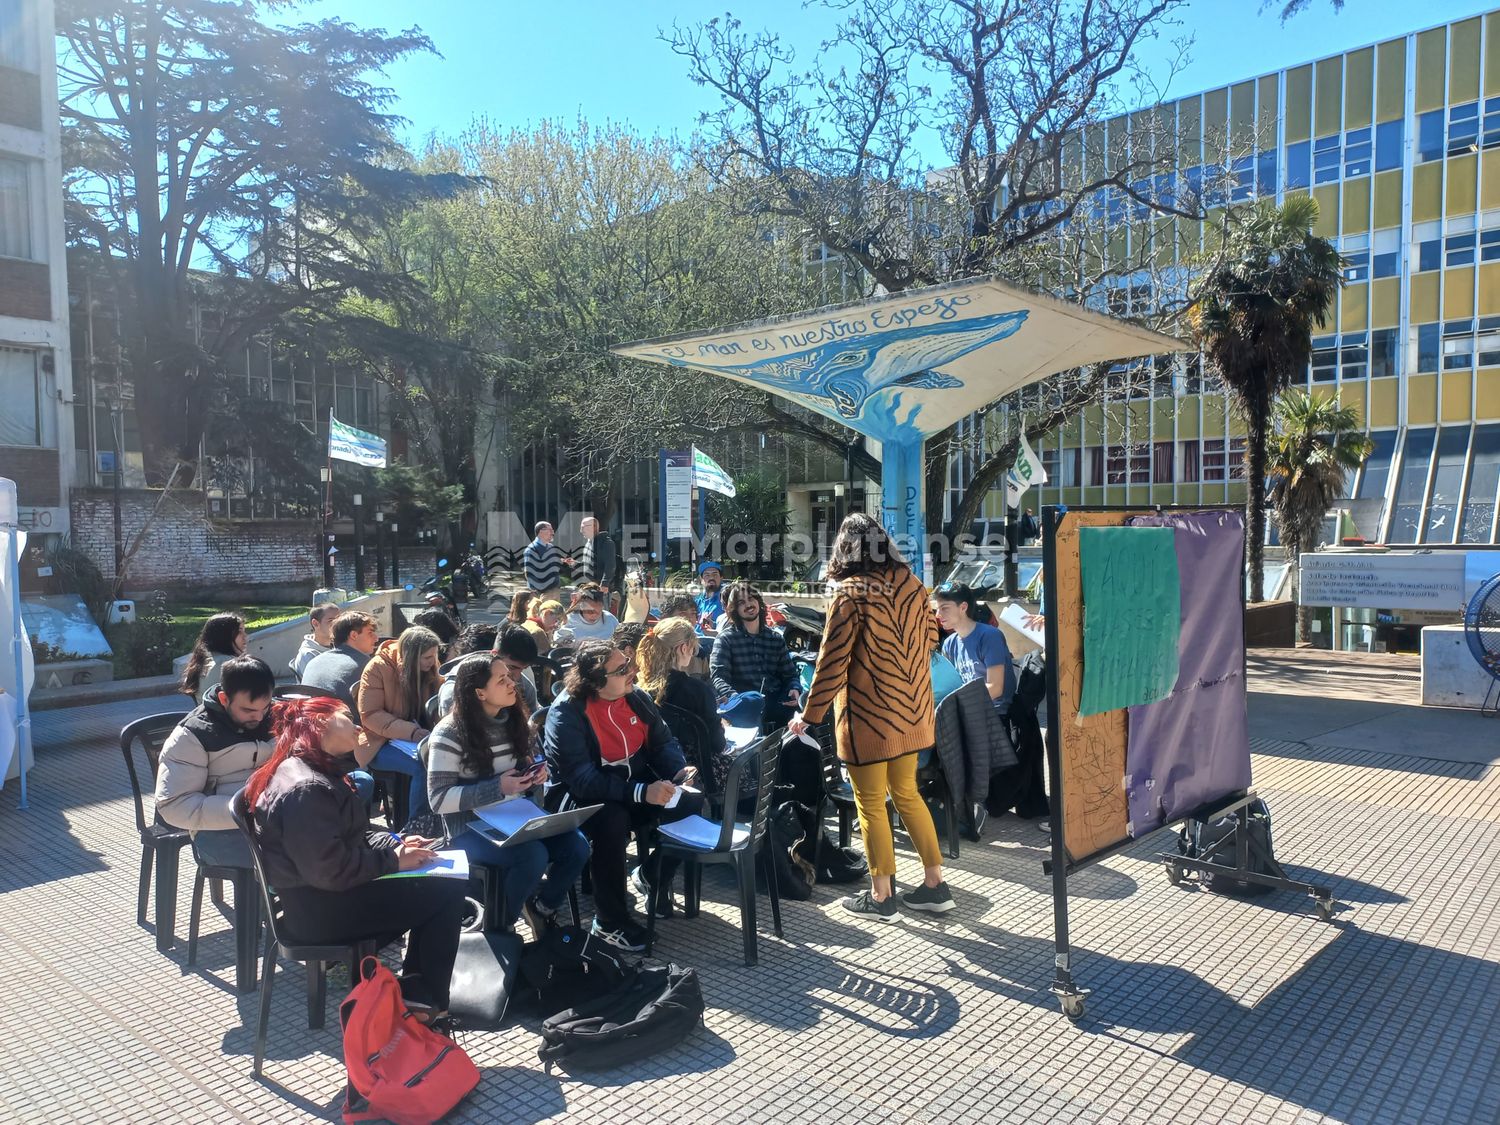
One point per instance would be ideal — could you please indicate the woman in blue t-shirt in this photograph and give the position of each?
(976, 649)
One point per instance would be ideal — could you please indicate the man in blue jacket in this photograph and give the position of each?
(606, 744)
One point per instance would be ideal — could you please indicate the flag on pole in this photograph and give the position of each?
(1026, 472)
(345, 443)
(707, 474)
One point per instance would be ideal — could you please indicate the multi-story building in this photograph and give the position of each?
(1399, 142)
(36, 393)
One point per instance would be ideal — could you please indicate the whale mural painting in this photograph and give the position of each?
(900, 368)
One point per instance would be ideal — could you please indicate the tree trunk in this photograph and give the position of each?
(1255, 495)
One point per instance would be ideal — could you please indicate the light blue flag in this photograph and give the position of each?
(707, 474)
(345, 443)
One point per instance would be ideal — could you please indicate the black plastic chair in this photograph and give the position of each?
(315, 957)
(246, 919)
(836, 788)
(695, 741)
(737, 846)
(935, 788)
(161, 844)
(432, 710)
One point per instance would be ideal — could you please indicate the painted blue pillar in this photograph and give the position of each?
(901, 499)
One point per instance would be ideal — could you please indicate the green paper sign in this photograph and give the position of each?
(1132, 616)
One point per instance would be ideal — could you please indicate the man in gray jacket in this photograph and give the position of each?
(211, 754)
(337, 671)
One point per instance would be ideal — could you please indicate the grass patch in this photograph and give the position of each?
(148, 647)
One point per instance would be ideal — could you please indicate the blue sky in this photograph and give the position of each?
(518, 63)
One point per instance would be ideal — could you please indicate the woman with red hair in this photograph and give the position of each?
(326, 863)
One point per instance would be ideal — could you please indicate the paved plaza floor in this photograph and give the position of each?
(1204, 1008)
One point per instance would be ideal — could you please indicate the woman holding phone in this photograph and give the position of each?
(479, 754)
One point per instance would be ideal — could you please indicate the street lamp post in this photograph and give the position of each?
(325, 540)
(395, 554)
(359, 542)
(379, 549)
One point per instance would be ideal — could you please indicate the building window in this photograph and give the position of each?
(1385, 265)
(1429, 255)
(1491, 136)
(1242, 179)
(1325, 359)
(21, 391)
(1458, 345)
(18, 42)
(1358, 152)
(1447, 483)
(1478, 512)
(1161, 463)
(1463, 128)
(1430, 136)
(1460, 249)
(1265, 173)
(1354, 355)
(1388, 138)
(1190, 470)
(1326, 160)
(1429, 347)
(15, 209)
(1487, 341)
(1298, 165)
(1489, 245)
(1357, 265)
(1096, 465)
(1382, 353)
(1411, 483)
(1220, 464)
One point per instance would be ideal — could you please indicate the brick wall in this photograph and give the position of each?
(25, 289)
(35, 474)
(186, 552)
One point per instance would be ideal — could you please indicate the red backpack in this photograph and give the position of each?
(399, 1070)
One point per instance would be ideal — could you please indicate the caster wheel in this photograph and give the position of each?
(1072, 1006)
(1174, 873)
(1325, 909)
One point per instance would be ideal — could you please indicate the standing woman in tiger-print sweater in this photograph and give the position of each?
(875, 670)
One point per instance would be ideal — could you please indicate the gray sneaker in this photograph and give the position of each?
(934, 900)
(865, 905)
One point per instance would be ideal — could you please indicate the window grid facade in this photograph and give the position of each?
(1399, 142)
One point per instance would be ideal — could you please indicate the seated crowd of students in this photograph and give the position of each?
(306, 765)
(630, 729)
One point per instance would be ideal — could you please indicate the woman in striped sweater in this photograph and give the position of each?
(479, 754)
(874, 670)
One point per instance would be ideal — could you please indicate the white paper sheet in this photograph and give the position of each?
(741, 737)
(406, 746)
(1016, 617)
(447, 865)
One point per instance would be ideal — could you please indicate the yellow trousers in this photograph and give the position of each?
(898, 778)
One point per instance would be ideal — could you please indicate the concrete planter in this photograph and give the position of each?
(73, 673)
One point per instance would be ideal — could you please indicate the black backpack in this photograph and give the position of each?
(566, 967)
(1215, 841)
(648, 1012)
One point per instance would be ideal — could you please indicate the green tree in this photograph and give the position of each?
(839, 150)
(1254, 312)
(1316, 446)
(758, 512)
(197, 138)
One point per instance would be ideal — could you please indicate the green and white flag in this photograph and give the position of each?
(707, 474)
(345, 443)
(1026, 472)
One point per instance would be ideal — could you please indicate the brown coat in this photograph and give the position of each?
(875, 667)
(383, 705)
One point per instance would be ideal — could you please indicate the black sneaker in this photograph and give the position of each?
(629, 938)
(934, 900)
(865, 905)
(538, 917)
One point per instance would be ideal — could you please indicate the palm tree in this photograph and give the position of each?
(1254, 309)
(1316, 445)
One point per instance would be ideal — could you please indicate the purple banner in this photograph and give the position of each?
(1193, 746)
